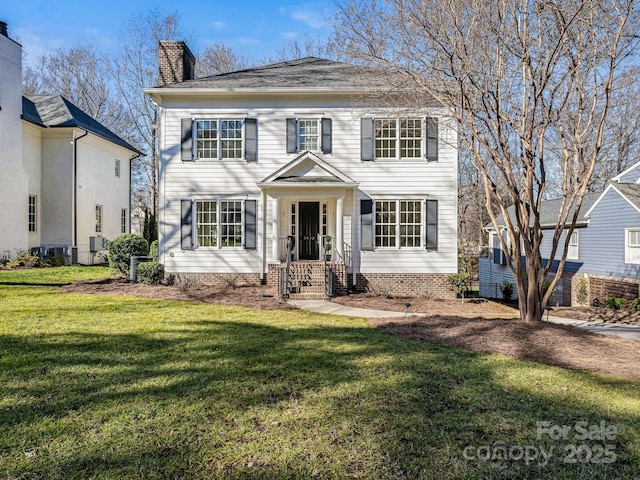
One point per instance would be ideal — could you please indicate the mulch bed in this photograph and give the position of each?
(560, 345)
(250, 296)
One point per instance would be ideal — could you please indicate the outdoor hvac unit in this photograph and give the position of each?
(98, 243)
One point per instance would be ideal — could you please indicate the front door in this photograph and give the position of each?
(309, 222)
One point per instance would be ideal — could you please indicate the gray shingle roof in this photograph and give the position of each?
(549, 211)
(308, 72)
(55, 111)
(631, 191)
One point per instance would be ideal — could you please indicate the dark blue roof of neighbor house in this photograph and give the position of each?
(55, 111)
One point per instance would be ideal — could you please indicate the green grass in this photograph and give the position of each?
(97, 386)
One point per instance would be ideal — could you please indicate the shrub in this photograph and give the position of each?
(635, 305)
(153, 250)
(507, 290)
(25, 258)
(123, 248)
(185, 281)
(616, 303)
(230, 281)
(382, 288)
(151, 273)
(459, 283)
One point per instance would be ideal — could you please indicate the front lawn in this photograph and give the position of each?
(98, 386)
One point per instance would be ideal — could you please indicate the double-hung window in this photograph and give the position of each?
(219, 223)
(399, 138)
(398, 223)
(219, 138)
(632, 245)
(308, 134)
(572, 253)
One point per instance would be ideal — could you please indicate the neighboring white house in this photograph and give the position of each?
(252, 157)
(65, 181)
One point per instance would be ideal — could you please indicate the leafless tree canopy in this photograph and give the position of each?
(219, 58)
(530, 83)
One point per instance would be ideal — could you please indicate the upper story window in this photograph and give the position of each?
(572, 253)
(220, 138)
(33, 213)
(632, 245)
(117, 168)
(309, 134)
(399, 138)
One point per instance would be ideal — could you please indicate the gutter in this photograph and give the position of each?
(75, 187)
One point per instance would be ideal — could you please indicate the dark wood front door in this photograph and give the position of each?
(309, 228)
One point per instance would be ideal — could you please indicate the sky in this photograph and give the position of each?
(253, 28)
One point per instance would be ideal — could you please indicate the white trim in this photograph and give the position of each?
(603, 195)
(624, 172)
(271, 180)
(627, 258)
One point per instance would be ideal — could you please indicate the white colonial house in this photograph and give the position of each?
(65, 178)
(287, 175)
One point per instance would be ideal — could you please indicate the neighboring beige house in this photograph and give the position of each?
(255, 159)
(65, 178)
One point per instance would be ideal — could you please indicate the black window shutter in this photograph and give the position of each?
(187, 139)
(250, 224)
(251, 139)
(326, 135)
(292, 135)
(432, 139)
(366, 224)
(432, 225)
(186, 225)
(366, 138)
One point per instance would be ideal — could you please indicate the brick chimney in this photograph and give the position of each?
(177, 63)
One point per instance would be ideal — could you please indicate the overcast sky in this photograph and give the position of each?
(254, 28)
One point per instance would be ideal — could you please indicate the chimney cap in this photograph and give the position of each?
(3, 29)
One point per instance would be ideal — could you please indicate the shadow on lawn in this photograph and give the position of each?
(234, 399)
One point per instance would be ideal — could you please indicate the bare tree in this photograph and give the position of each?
(81, 75)
(308, 47)
(516, 76)
(136, 67)
(219, 58)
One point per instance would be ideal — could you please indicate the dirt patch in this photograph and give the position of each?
(474, 325)
(599, 314)
(548, 343)
(245, 296)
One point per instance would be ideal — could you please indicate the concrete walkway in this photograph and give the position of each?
(629, 332)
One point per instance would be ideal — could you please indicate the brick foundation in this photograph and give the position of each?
(430, 285)
(224, 279)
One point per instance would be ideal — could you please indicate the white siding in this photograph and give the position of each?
(14, 189)
(98, 185)
(236, 178)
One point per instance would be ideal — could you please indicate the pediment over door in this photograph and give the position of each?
(308, 169)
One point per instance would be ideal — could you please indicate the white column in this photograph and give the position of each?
(275, 227)
(339, 228)
(355, 225)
